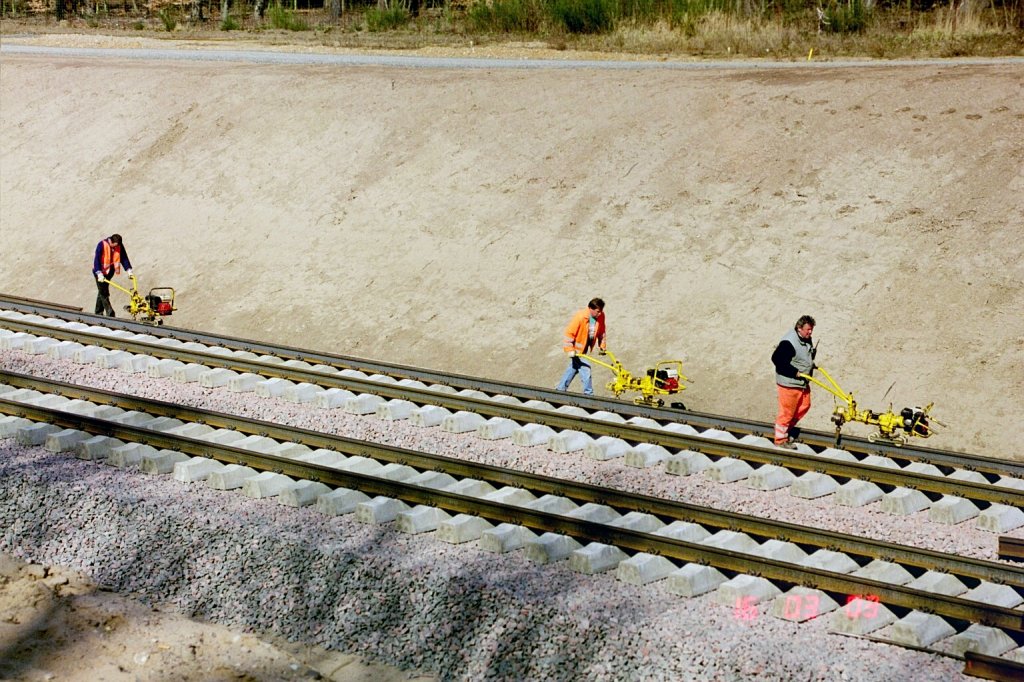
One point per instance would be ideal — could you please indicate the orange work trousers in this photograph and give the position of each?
(793, 405)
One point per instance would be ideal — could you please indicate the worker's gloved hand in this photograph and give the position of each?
(128, 272)
(572, 354)
(602, 352)
(100, 277)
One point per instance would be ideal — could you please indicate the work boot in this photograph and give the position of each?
(788, 445)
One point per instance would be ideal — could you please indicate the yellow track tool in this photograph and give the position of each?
(665, 378)
(151, 308)
(911, 422)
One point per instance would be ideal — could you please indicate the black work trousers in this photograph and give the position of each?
(103, 306)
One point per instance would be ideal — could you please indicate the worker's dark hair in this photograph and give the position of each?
(115, 238)
(596, 304)
(804, 319)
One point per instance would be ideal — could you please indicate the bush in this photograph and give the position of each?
(285, 19)
(584, 16)
(169, 18)
(229, 23)
(386, 19)
(848, 17)
(505, 16)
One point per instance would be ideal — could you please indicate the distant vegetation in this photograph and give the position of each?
(750, 28)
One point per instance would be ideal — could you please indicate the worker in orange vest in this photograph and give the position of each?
(584, 332)
(793, 357)
(110, 256)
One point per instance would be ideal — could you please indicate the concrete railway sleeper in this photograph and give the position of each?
(610, 541)
(643, 443)
(28, 315)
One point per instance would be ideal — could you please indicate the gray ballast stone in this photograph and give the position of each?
(685, 531)
(827, 560)
(396, 410)
(856, 493)
(745, 591)
(1000, 518)
(364, 403)
(605, 448)
(162, 461)
(428, 416)
(733, 541)
(598, 513)
(728, 470)
(782, 551)
(686, 462)
(981, 639)
(530, 435)
(859, 617)
(97, 447)
(230, 477)
(836, 454)
(129, 455)
(995, 595)
(924, 468)
(266, 484)
(596, 558)
(918, 629)
(569, 441)
(340, 501)
(216, 378)
(802, 604)
(196, 469)
(161, 369)
(904, 501)
(35, 434)
(939, 583)
(638, 521)
(332, 397)
(380, 510)
(188, 374)
(303, 392)
(693, 580)
(462, 422)
(506, 537)
(645, 455)
(553, 504)
(812, 485)
(497, 428)
(302, 493)
(421, 519)
(66, 440)
(642, 568)
(770, 477)
(886, 572)
(462, 528)
(244, 382)
(394, 471)
(551, 547)
(952, 510)
(273, 388)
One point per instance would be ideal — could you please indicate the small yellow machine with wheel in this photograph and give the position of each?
(151, 308)
(897, 429)
(665, 378)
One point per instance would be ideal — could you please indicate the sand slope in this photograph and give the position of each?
(454, 219)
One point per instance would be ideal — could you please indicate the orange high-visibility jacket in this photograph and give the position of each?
(111, 256)
(577, 330)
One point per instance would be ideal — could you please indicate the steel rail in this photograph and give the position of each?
(941, 458)
(882, 476)
(992, 667)
(835, 583)
(965, 567)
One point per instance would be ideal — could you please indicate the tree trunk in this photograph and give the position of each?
(335, 10)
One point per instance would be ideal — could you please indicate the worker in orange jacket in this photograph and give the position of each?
(584, 332)
(109, 257)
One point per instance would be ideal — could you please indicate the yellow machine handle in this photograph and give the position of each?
(591, 358)
(832, 387)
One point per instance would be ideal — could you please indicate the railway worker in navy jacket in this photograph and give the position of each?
(793, 356)
(110, 256)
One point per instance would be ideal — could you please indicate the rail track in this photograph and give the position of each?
(930, 474)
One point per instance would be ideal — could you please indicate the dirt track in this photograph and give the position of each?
(454, 218)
